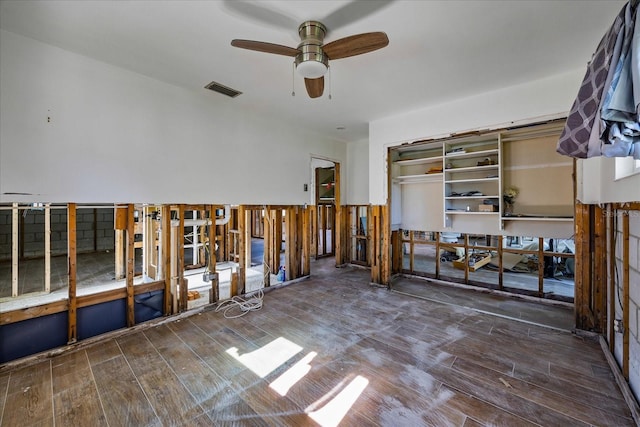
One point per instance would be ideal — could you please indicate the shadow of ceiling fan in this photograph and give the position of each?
(312, 55)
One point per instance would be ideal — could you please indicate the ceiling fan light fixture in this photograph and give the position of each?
(311, 62)
(311, 69)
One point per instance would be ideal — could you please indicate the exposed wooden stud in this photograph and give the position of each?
(599, 280)
(242, 252)
(437, 255)
(583, 266)
(47, 247)
(340, 228)
(130, 263)
(314, 230)
(120, 218)
(411, 248)
(210, 253)
(466, 258)
(611, 259)
(306, 241)
(14, 249)
(72, 335)
(247, 246)
(625, 294)
(500, 263)
(541, 266)
(277, 236)
(165, 266)
(120, 270)
(95, 229)
(385, 230)
(183, 285)
(396, 250)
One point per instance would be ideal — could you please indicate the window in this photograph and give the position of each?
(626, 166)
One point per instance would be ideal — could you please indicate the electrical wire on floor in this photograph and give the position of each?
(238, 306)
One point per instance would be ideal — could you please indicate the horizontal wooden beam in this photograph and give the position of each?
(82, 301)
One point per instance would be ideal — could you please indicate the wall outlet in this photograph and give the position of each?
(618, 327)
(208, 277)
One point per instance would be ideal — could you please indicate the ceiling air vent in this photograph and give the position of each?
(217, 87)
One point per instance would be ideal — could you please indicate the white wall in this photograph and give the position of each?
(117, 136)
(357, 175)
(542, 99)
(597, 184)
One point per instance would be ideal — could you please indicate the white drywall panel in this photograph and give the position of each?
(357, 173)
(76, 129)
(597, 183)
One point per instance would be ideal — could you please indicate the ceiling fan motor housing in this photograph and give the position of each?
(311, 62)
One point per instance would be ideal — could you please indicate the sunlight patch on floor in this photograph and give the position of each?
(284, 382)
(267, 358)
(334, 411)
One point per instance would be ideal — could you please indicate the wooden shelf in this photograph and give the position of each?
(537, 218)
(472, 168)
(470, 197)
(470, 213)
(481, 153)
(457, 181)
(414, 179)
(421, 161)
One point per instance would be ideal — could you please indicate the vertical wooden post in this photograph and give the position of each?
(314, 230)
(396, 250)
(242, 242)
(611, 258)
(385, 245)
(269, 243)
(338, 229)
(130, 252)
(500, 263)
(214, 295)
(411, 248)
(277, 238)
(47, 248)
(15, 254)
(541, 266)
(375, 233)
(183, 294)
(165, 237)
(306, 241)
(599, 288)
(120, 225)
(582, 266)
(71, 255)
(625, 294)
(438, 255)
(466, 258)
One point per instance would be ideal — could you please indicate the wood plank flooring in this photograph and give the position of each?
(327, 351)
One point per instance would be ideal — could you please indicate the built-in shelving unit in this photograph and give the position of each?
(472, 184)
(458, 183)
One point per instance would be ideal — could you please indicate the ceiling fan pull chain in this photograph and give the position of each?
(293, 79)
(329, 69)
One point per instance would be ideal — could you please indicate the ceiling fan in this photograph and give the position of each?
(312, 55)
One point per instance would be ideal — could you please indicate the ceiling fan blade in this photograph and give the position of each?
(257, 11)
(355, 45)
(278, 49)
(352, 12)
(315, 87)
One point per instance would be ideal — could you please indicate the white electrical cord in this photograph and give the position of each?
(244, 305)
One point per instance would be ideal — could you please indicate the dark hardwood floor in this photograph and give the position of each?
(330, 350)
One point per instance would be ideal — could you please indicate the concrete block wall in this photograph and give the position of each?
(87, 239)
(5, 234)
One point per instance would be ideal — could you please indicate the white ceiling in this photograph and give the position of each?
(438, 50)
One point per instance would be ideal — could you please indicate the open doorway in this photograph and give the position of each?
(326, 199)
